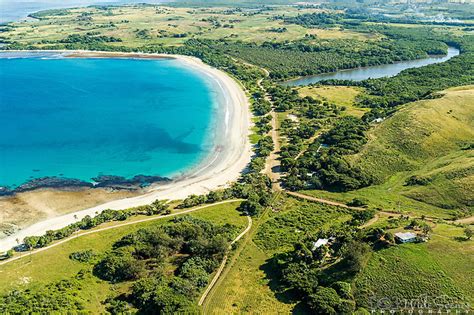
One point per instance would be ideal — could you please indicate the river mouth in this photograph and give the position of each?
(101, 122)
(373, 72)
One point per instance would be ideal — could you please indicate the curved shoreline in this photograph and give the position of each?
(217, 170)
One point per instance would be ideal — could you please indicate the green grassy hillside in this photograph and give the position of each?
(421, 136)
(431, 140)
(409, 271)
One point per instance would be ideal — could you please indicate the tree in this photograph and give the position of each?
(426, 229)
(343, 289)
(257, 164)
(158, 206)
(300, 277)
(119, 265)
(469, 232)
(355, 255)
(251, 206)
(31, 241)
(215, 196)
(324, 301)
(389, 237)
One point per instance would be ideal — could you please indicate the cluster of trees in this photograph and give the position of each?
(320, 277)
(84, 256)
(43, 15)
(88, 222)
(58, 297)
(319, 19)
(323, 164)
(253, 186)
(144, 256)
(88, 39)
(356, 17)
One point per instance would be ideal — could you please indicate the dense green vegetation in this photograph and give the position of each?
(323, 164)
(281, 231)
(56, 297)
(321, 276)
(166, 267)
(193, 248)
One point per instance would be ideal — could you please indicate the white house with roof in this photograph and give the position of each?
(406, 237)
(322, 241)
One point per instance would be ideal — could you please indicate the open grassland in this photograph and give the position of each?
(408, 271)
(420, 132)
(343, 96)
(430, 139)
(387, 196)
(54, 264)
(295, 220)
(246, 288)
(141, 25)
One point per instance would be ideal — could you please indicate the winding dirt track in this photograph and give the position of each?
(224, 261)
(325, 201)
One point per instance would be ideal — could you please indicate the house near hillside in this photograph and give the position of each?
(407, 237)
(322, 241)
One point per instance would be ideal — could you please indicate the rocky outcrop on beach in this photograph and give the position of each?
(5, 191)
(120, 182)
(52, 182)
(101, 181)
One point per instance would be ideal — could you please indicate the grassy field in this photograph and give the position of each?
(437, 267)
(429, 139)
(246, 287)
(143, 25)
(343, 96)
(295, 220)
(54, 264)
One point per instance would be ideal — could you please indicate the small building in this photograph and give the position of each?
(320, 242)
(407, 237)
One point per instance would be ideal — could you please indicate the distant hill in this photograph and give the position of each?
(429, 147)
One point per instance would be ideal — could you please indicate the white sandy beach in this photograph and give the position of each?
(222, 167)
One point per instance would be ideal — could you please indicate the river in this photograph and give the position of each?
(373, 72)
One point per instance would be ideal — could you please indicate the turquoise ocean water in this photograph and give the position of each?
(79, 118)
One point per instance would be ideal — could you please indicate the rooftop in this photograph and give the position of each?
(320, 242)
(405, 236)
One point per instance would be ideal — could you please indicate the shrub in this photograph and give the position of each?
(84, 256)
